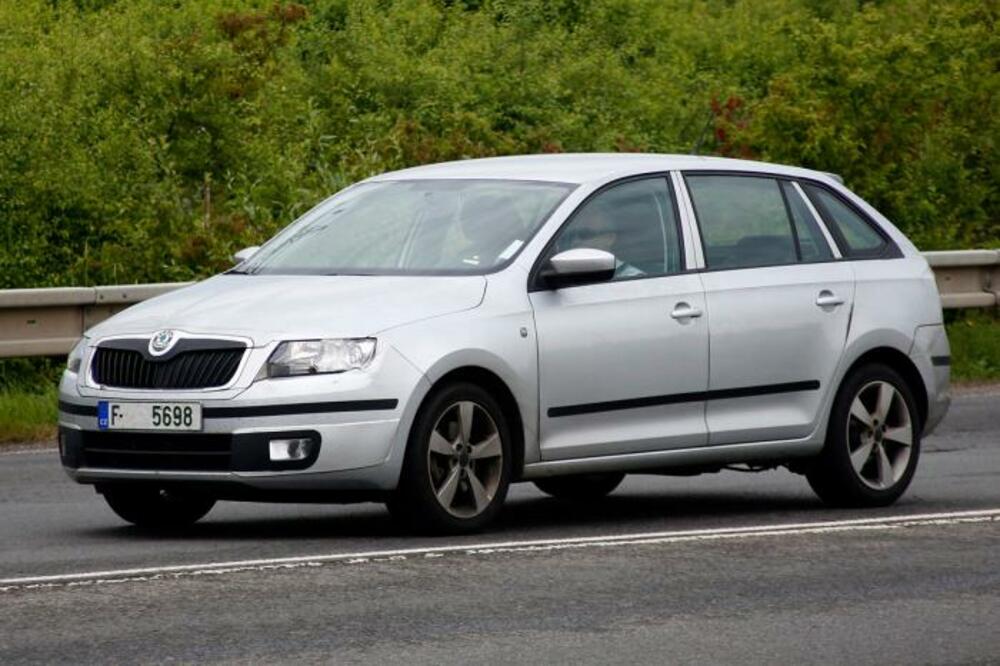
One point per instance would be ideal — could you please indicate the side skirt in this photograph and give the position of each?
(726, 454)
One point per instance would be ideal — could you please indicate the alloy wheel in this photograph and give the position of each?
(464, 459)
(879, 435)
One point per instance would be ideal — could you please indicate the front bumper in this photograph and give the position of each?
(237, 460)
(359, 422)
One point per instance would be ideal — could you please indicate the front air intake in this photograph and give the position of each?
(198, 452)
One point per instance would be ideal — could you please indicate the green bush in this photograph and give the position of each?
(28, 416)
(144, 140)
(975, 346)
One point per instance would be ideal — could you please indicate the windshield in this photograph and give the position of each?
(404, 227)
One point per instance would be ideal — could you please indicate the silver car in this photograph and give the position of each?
(429, 336)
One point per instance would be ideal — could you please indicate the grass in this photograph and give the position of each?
(27, 416)
(975, 347)
(30, 415)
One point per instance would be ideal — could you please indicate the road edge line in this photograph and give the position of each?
(639, 538)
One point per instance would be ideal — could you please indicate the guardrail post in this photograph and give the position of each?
(993, 283)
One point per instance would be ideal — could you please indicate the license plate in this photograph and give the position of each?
(148, 415)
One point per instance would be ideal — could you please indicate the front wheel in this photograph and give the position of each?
(457, 467)
(155, 507)
(873, 441)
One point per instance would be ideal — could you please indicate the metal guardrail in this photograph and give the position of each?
(967, 278)
(48, 322)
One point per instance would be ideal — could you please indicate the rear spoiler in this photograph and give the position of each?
(836, 176)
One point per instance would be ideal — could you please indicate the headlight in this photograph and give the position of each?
(313, 357)
(75, 358)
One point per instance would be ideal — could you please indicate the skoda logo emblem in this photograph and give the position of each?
(161, 342)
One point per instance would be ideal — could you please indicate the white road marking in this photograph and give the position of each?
(488, 548)
(25, 451)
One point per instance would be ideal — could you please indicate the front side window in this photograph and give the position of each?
(743, 221)
(854, 234)
(412, 227)
(635, 222)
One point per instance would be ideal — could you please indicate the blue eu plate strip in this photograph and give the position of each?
(102, 415)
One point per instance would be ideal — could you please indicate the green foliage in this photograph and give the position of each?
(28, 416)
(975, 346)
(18, 374)
(145, 140)
(900, 100)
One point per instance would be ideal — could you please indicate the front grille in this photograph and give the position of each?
(197, 452)
(195, 369)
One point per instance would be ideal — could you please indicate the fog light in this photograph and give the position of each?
(285, 450)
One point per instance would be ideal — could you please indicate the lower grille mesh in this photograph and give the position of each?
(198, 452)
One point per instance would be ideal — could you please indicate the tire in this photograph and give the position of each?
(454, 479)
(580, 487)
(872, 443)
(154, 507)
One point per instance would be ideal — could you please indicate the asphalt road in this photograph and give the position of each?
(701, 589)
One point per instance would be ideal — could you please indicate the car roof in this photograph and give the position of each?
(587, 167)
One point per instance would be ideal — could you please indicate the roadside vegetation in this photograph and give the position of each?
(27, 415)
(975, 347)
(28, 397)
(145, 141)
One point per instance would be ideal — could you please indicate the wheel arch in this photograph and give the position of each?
(902, 364)
(498, 388)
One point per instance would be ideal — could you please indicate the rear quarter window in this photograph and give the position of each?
(855, 235)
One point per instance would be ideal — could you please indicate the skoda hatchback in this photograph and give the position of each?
(427, 337)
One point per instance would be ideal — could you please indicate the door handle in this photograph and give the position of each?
(684, 311)
(827, 299)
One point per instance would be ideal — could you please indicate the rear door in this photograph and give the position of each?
(779, 306)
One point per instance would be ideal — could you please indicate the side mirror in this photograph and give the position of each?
(245, 254)
(579, 266)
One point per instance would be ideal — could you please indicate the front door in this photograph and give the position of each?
(623, 364)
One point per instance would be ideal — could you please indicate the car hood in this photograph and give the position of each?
(281, 307)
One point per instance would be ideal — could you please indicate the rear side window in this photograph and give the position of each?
(855, 235)
(743, 221)
(812, 242)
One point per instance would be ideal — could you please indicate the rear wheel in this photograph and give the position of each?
(580, 487)
(457, 467)
(873, 441)
(155, 507)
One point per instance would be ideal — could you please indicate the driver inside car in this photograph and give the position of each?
(594, 228)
